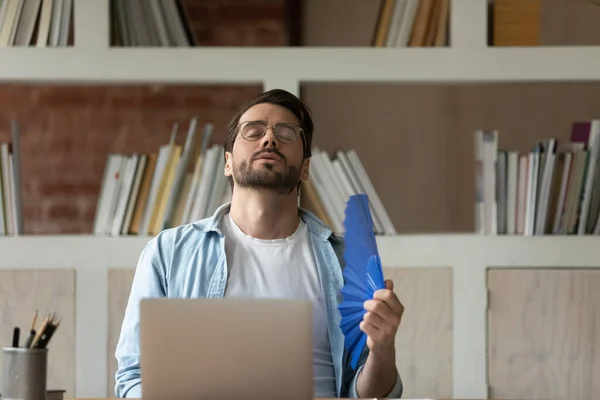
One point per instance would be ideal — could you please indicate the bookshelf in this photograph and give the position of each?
(444, 277)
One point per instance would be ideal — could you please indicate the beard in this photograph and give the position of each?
(265, 177)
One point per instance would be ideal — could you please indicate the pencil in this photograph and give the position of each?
(47, 331)
(39, 333)
(32, 331)
(35, 314)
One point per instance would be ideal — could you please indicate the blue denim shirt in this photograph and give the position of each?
(189, 261)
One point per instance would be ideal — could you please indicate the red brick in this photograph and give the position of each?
(207, 18)
(246, 12)
(70, 96)
(11, 96)
(63, 211)
(122, 100)
(88, 210)
(162, 101)
(68, 189)
(60, 145)
(199, 102)
(32, 212)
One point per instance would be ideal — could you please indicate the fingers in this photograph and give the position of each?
(370, 330)
(381, 309)
(374, 320)
(383, 317)
(389, 284)
(389, 297)
(378, 336)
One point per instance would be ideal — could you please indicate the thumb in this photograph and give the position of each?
(389, 284)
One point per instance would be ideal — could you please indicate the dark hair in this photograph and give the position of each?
(281, 98)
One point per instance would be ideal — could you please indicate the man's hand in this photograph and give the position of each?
(382, 319)
(380, 323)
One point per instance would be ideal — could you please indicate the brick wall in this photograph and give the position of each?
(239, 22)
(68, 131)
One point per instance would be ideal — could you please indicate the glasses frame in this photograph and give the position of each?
(273, 128)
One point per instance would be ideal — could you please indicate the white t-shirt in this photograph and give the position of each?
(281, 268)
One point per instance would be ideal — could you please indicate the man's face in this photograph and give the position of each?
(268, 164)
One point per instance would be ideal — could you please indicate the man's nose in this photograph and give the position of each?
(270, 140)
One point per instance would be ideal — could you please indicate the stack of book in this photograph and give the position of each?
(155, 23)
(40, 23)
(11, 216)
(332, 181)
(143, 194)
(551, 189)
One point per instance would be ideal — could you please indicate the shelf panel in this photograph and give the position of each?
(435, 250)
(502, 251)
(252, 65)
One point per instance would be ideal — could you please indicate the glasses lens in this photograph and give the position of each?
(253, 130)
(286, 133)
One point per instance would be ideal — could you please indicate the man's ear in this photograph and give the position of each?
(304, 173)
(228, 164)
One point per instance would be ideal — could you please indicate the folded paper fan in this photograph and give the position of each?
(363, 274)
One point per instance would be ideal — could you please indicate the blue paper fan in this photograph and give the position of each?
(363, 274)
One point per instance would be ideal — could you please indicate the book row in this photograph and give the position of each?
(554, 188)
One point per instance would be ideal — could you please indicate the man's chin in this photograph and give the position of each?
(266, 182)
(269, 187)
(268, 177)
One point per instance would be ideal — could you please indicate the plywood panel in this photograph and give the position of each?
(424, 340)
(570, 22)
(416, 140)
(544, 334)
(24, 291)
(119, 286)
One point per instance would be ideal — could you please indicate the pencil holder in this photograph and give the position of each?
(24, 373)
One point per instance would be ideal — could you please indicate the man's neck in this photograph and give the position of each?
(264, 215)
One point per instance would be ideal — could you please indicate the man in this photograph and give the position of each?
(273, 248)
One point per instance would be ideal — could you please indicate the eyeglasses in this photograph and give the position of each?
(255, 130)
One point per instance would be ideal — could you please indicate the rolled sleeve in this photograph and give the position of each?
(395, 393)
(135, 392)
(353, 390)
(397, 390)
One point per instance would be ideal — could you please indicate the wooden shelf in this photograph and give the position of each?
(247, 65)
(426, 250)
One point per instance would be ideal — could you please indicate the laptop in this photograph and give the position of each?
(226, 349)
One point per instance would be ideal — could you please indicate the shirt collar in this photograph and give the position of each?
(314, 224)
